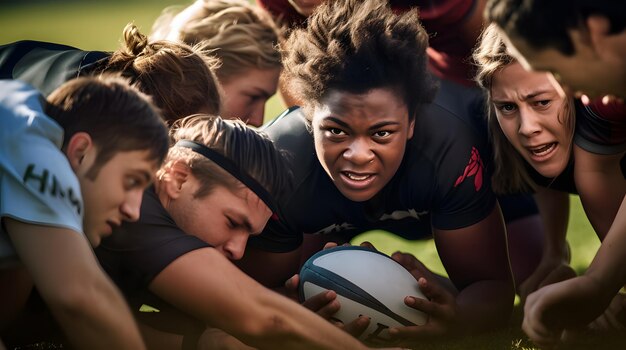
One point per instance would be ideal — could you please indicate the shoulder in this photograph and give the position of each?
(35, 174)
(44, 65)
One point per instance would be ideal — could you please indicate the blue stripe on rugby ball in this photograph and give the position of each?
(327, 279)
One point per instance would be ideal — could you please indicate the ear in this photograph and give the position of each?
(411, 128)
(77, 148)
(176, 175)
(599, 28)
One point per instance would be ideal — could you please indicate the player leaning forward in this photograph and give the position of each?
(214, 190)
(371, 151)
(72, 168)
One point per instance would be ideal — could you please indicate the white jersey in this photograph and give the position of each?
(37, 184)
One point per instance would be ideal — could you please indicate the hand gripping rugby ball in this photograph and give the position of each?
(367, 283)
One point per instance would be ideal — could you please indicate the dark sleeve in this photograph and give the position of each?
(601, 128)
(44, 65)
(138, 251)
(454, 141)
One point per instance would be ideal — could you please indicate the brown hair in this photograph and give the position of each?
(356, 46)
(251, 150)
(117, 116)
(178, 77)
(510, 173)
(239, 34)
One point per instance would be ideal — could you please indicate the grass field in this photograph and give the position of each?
(97, 25)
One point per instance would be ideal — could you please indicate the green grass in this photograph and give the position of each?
(97, 25)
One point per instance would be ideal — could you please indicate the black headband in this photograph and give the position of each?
(232, 168)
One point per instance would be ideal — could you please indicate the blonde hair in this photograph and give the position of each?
(510, 173)
(178, 77)
(239, 34)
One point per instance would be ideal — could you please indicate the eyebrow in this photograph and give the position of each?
(373, 127)
(526, 97)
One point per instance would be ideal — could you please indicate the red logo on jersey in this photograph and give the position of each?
(474, 168)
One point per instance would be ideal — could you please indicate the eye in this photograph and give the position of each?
(543, 103)
(506, 108)
(333, 132)
(382, 133)
(132, 182)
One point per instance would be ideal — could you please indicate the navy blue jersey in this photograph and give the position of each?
(46, 65)
(443, 181)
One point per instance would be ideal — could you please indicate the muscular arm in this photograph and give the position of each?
(89, 308)
(601, 187)
(205, 284)
(476, 260)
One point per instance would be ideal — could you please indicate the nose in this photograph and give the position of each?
(529, 122)
(359, 151)
(130, 208)
(257, 115)
(236, 246)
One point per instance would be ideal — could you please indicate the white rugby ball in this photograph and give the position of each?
(367, 283)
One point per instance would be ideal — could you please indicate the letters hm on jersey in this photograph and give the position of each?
(473, 168)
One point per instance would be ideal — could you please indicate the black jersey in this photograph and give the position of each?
(600, 128)
(46, 65)
(443, 181)
(138, 251)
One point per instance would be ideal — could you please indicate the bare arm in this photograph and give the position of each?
(601, 187)
(205, 284)
(554, 264)
(82, 298)
(476, 260)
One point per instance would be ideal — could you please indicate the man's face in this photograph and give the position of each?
(224, 218)
(360, 140)
(115, 194)
(586, 72)
(245, 94)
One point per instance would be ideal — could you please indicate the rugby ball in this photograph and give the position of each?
(367, 283)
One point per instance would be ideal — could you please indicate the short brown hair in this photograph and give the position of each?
(117, 116)
(251, 150)
(356, 46)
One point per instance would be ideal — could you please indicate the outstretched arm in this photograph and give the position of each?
(90, 309)
(205, 284)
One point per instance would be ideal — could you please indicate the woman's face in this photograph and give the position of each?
(360, 139)
(532, 116)
(245, 94)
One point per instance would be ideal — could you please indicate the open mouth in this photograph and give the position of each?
(543, 150)
(357, 181)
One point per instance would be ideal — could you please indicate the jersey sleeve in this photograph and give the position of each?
(601, 128)
(37, 184)
(460, 158)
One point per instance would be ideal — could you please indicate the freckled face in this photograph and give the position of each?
(360, 139)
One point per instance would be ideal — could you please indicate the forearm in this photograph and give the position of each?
(554, 211)
(287, 325)
(97, 317)
(609, 265)
(484, 305)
